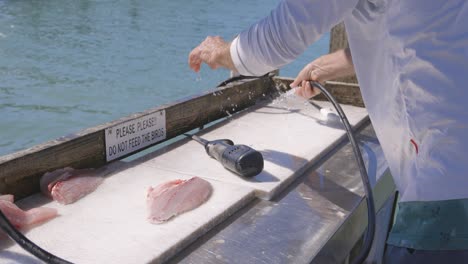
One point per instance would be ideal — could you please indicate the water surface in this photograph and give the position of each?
(66, 65)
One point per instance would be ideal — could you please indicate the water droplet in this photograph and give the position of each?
(198, 78)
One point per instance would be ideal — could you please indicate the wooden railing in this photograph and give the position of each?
(20, 172)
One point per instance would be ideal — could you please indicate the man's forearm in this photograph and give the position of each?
(286, 33)
(339, 63)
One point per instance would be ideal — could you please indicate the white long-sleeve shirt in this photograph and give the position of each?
(411, 60)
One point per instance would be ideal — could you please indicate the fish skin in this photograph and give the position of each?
(68, 185)
(7, 197)
(73, 189)
(176, 197)
(20, 218)
(49, 179)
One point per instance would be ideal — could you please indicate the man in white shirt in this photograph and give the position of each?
(411, 60)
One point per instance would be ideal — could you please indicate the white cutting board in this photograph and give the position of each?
(289, 132)
(110, 226)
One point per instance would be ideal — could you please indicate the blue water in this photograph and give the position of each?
(66, 65)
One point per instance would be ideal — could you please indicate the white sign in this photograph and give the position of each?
(135, 134)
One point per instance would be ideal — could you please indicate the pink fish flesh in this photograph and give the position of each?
(20, 218)
(176, 197)
(68, 185)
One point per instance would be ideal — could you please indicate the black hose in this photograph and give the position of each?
(369, 238)
(27, 244)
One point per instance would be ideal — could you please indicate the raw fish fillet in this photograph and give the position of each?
(176, 197)
(68, 185)
(20, 218)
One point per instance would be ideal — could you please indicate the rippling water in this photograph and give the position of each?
(66, 65)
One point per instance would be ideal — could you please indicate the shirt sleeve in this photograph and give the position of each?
(286, 33)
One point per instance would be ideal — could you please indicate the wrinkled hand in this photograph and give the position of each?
(213, 51)
(325, 68)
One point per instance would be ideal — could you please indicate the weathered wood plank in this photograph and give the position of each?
(338, 38)
(345, 93)
(20, 171)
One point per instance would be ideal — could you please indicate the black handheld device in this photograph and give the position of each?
(240, 159)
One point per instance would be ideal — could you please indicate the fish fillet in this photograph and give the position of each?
(176, 197)
(68, 185)
(20, 218)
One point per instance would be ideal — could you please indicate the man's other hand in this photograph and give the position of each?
(213, 51)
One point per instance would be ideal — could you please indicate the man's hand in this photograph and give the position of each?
(328, 67)
(213, 51)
